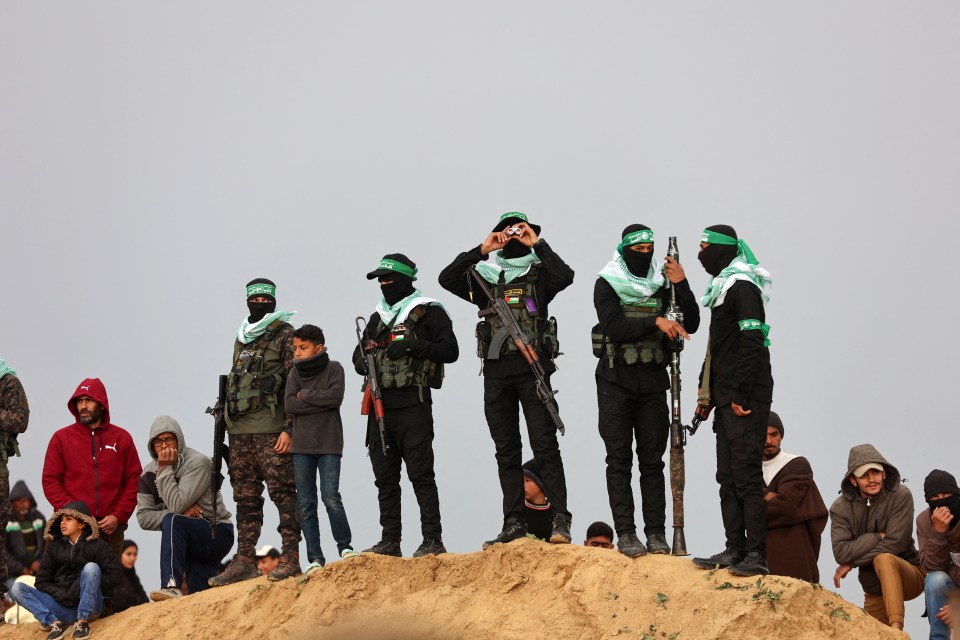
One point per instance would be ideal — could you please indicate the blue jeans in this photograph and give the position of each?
(936, 591)
(187, 549)
(47, 610)
(305, 468)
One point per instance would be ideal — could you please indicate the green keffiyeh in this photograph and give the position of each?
(250, 332)
(398, 313)
(4, 369)
(630, 288)
(738, 269)
(512, 268)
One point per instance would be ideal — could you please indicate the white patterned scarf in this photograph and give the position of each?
(738, 269)
(249, 332)
(512, 268)
(630, 288)
(397, 313)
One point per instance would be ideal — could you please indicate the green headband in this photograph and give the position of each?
(399, 267)
(713, 237)
(262, 289)
(642, 236)
(514, 214)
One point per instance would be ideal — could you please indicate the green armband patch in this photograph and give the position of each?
(751, 324)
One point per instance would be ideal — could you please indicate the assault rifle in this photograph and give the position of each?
(221, 452)
(500, 308)
(678, 432)
(372, 393)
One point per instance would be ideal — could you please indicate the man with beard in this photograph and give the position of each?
(14, 415)
(260, 434)
(411, 337)
(528, 275)
(736, 379)
(939, 539)
(93, 461)
(796, 515)
(632, 340)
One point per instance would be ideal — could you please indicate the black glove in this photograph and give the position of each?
(400, 348)
(360, 366)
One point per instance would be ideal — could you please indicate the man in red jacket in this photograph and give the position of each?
(103, 464)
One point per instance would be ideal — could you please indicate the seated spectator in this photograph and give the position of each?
(174, 497)
(536, 505)
(129, 593)
(939, 538)
(599, 535)
(267, 559)
(77, 572)
(24, 539)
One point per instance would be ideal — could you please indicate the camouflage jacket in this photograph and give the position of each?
(14, 415)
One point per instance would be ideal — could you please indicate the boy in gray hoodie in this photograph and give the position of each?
(871, 526)
(174, 496)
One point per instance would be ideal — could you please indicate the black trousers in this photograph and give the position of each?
(502, 400)
(740, 443)
(409, 435)
(625, 417)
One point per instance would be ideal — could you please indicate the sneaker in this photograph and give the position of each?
(657, 543)
(430, 547)
(629, 545)
(57, 630)
(81, 630)
(313, 566)
(289, 566)
(753, 564)
(561, 529)
(349, 553)
(167, 593)
(513, 529)
(386, 548)
(238, 570)
(726, 558)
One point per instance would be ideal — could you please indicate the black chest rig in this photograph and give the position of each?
(406, 371)
(648, 350)
(493, 339)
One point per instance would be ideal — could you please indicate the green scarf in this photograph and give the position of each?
(738, 269)
(250, 332)
(512, 268)
(630, 288)
(5, 369)
(397, 313)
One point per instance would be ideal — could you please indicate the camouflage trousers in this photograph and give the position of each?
(253, 463)
(4, 509)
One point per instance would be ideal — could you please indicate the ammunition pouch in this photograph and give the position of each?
(256, 380)
(8, 446)
(648, 350)
(406, 371)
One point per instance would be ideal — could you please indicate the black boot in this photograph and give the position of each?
(754, 564)
(513, 529)
(386, 548)
(430, 547)
(726, 558)
(657, 543)
(561, 529)
(629, 545)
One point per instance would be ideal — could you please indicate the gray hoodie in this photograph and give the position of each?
(174, 488)
(856, 524)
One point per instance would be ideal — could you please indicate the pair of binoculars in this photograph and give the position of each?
(514, 231)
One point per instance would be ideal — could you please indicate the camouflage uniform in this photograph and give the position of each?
(14, 415)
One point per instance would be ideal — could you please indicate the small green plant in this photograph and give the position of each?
(729, 585)
(662, 600)
(709, 574)
(841, 613)
(254, 589)
(650, 634)
(764, 594)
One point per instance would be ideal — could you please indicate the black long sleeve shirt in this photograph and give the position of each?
(617, 327)
(554, 276)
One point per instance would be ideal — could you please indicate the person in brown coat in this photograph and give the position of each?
(871, 526)
(939, 538)
(796, 514)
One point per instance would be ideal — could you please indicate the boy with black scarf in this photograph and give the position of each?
(411, 337)
(938, 537)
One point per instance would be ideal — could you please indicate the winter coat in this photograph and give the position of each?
(176, 487)
(317, 427)
(62, 563)
(796, 518)
(14, 414)
(97, 466)
(16, 547)
(856, 523)
(939, 551)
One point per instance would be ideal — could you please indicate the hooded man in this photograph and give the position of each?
(939, 539)
(736, 379)
(528, 274)
(632, 340)
(796, 514)
(411, 338)
(94, 461)
(14, 415)
(259, 430)
(175, 497)
(871, 526)
(24, 537)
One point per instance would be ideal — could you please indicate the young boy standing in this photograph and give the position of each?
(314, 393)
(77, 570)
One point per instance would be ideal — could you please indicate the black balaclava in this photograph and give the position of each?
(400, 288)
(514, 249)
(259, 309)
(942, 482)
(638, 263)
(716, 257)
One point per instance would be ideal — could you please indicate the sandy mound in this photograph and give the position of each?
(526, 589)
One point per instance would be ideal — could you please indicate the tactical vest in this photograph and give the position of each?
(407, 371)
(648, 350)
(521, 297)
(256, 379)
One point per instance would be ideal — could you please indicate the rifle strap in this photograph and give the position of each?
(703, 395)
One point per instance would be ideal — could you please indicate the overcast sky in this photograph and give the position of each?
(157, 156)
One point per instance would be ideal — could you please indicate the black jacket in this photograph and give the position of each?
(554, 276)
(618, 328)
(740, 364)
(16, 548)
(129, 593)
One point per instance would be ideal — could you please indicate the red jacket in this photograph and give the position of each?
(99, 466)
